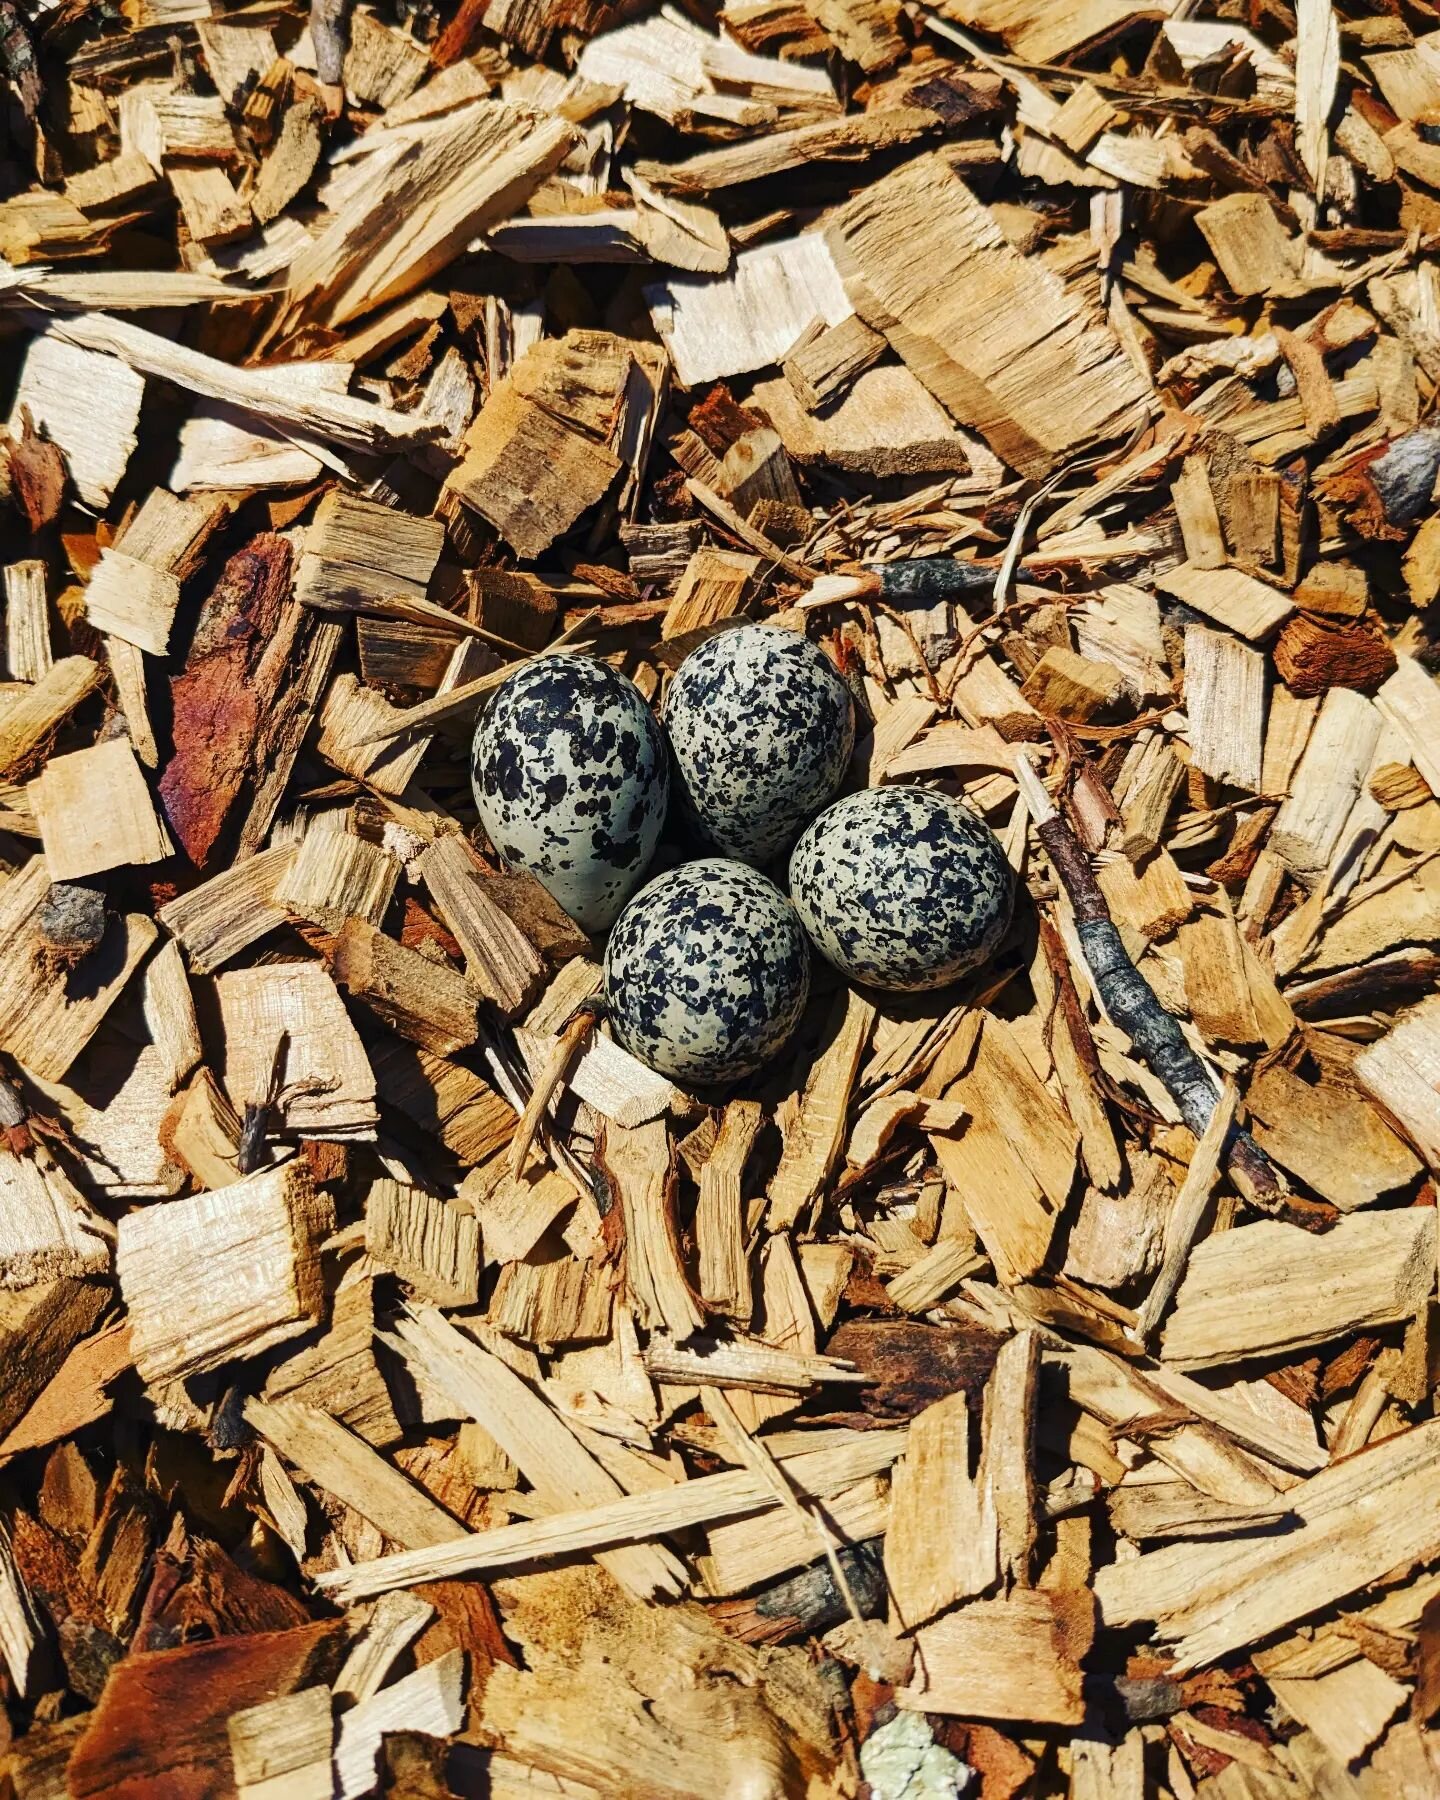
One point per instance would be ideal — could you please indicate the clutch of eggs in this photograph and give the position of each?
(761, 728)
(707, 968)
(901, 888)
(572, 782)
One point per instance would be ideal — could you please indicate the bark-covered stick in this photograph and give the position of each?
(1132, 1003)
(929, 578)
(330, 36)
(921, 580)
(808, 1602)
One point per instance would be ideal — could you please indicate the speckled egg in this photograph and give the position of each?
(707, 972)
(761, 727)
(572, 782)
(901, 888)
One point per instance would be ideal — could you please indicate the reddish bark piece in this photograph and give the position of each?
(459, 37)
(1312, 656)
(528, 28)
(49, 1568)
(158, 1732)
(465, 1620)
(37, 468)
(195, 1589)
(720, 421)
(220, 698)
(909, 1365)
(1208, 1759)
(1350, 1366)
(1005, 1769)
(420, 927)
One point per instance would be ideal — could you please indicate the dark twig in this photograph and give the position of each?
(1132, 1003)
(330, 35)
(931, 578)
(256, 1123)
(17, 58)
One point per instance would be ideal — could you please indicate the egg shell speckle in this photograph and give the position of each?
(707, 972)
(572, 782)
(902, 888)
(761, 727)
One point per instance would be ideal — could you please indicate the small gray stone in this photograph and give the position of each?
(902, 1761)
(72, 918)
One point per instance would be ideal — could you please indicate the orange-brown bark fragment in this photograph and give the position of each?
(218, 703)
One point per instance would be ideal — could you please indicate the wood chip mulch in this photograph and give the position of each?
(1025, 1390)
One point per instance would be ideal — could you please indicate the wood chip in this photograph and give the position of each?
(924, 218)
(1373, 1268)
(95, 813)
(223, 1275)
(1225, 704)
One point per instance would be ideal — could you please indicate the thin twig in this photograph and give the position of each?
(1132, 1003)
(459, 701)
(760, 1462)
(562, 1054)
